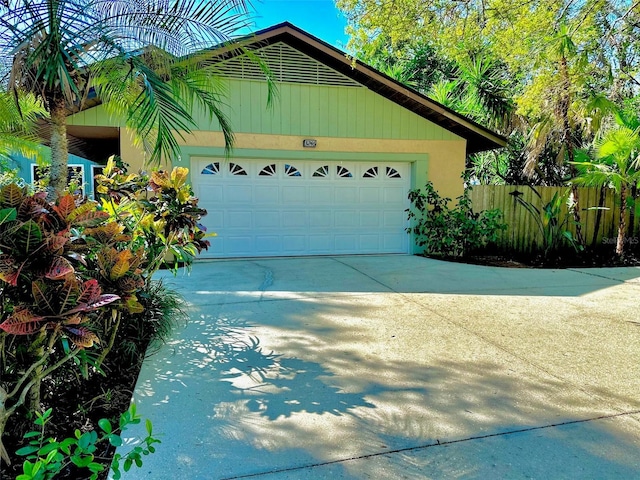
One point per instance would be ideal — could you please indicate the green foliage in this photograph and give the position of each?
(145, 332)
(70, 270)
(149, 63)
(616, 165)
(552, 221)
(47, 457)
(555, 64)
(447, 231)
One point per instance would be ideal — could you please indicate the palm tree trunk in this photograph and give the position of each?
(58, 176)
(567, 140)
(596, 228)
(622, 228)
(632, 212)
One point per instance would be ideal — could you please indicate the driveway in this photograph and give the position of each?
(375, 367)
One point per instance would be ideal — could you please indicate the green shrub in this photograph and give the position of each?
(70, 270)
(46, 457)
(452, 232)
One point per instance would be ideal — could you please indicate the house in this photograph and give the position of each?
(324, 170)
(81, 171)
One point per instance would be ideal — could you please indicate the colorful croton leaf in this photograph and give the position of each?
(23, 322)
(9, 270)
(69, 321)
(11, 195)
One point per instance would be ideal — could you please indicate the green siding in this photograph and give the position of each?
(308, 110)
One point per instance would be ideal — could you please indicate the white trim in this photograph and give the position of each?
(83, 185)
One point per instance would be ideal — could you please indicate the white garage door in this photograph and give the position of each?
(278, 208)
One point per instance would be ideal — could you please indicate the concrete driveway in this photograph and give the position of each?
(375, 367)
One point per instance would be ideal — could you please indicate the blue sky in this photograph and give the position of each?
(320, 18)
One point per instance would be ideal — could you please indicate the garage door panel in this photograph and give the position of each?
(294, 243)
(311, 208)
(346, 243)
(267, 244)
(394, 220)
(345, 195)
(320, 195)
(369, 219)
(319, 244)
(209, 193)
(239, 245)
(294, 195)
(392, 243)
(346, 218)
(370, 195)
(266, 219)
(214, 218)
(235, 194)
(294, 219)
(370, 243)
(320, 219)
(238, 219)
(394, 195)
(266, 194)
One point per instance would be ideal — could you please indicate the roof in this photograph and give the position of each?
(478, 138)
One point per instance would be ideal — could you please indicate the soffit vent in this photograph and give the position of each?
(287, 65)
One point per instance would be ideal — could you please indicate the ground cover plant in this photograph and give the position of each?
(79, 308)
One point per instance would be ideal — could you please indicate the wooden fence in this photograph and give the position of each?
(522, 234)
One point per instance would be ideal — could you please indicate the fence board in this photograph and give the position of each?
(523, 235)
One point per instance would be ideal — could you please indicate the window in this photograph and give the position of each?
(211, 169)
(291, 171)
(371, 173)
(236, 169)
(393, 173)
(321, 172)
(75, 174)
(268, 171)
(96, 170)
(343, 172)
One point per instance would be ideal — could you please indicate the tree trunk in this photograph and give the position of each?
(596, 228)
(632, 212)
(567, 140)
(622, 228)
(4, 455)
(58, 176)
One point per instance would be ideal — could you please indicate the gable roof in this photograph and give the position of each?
(478, 138)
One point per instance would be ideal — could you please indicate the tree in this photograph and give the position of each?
(559, 54)
(17, 128)
(144, 60)
(616, 164)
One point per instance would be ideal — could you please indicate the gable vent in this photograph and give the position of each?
(287, 65)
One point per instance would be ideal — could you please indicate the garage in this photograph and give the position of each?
(286, 207)
(320, 167)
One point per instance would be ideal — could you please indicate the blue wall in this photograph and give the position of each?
(25, 167)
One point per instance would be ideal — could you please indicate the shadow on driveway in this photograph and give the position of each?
(327, 368)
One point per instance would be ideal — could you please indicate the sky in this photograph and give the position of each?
(320, 18)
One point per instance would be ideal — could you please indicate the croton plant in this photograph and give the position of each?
(70, 270)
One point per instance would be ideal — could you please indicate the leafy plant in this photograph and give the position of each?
(47, 457)
(164, 309)
(552, 221)
(616, 164)
(447, 231)
(72, 270)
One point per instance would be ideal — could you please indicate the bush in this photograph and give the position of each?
(450, 232)
(70, 271)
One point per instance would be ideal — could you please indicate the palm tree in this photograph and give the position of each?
(617, 164)
(17, 128)
(138, 58)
